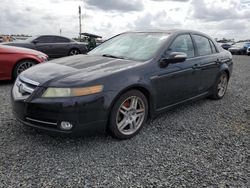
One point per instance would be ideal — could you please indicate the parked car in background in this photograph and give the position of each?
(248, 51)
(225, 46)
(7, 38)
(52, 45)
(239, 48)
(91, 40)
(122, 82)
(14, 60)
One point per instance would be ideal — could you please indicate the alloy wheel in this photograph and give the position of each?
(222, 86)
(74, 52)
(130, 115)
(24, 65)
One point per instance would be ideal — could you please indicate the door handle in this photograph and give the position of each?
(196, 66)
(218, 61)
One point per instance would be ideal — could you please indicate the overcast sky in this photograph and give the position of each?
(219, 18)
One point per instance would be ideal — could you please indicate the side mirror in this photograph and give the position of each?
(174, 57)
(35, 41)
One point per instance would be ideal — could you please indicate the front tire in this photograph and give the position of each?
(22, 66)
(220, 86)
(128, 115)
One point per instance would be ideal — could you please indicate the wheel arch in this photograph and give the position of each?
(228, 73)
(20, 60)
(226, 67)
(226, 70)
(145, 91)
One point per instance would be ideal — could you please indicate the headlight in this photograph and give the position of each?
(72, 92)
(43, 57)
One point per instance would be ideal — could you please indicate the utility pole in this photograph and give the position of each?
(60, 32)
(80, 22)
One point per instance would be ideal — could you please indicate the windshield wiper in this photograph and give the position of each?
(112, 56)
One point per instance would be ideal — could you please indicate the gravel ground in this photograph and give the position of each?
(203, 144)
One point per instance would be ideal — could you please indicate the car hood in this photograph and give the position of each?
(12, 49)
(76, 70)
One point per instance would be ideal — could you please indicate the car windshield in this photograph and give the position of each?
(133, 46)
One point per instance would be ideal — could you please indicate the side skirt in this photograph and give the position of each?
(195, 98)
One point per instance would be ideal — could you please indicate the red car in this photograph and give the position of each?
(14, 60)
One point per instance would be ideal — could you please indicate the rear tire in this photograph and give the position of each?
(74, 51)
(128, 115)
(22, 66)
(220, 87)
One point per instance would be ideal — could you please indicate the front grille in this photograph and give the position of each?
(23, 88)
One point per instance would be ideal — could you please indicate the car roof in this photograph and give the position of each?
(50, 36)
(170, 31)
(36, 36)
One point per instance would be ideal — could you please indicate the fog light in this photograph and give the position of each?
(66, 125)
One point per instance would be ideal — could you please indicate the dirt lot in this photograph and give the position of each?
(203, 144)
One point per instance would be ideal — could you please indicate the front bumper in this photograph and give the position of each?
(88, 114)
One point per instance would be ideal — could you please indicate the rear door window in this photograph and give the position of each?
(203, 45)
(213, 47)
(61, 40)
(45, 39)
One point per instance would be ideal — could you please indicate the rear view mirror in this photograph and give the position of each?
(174, 57)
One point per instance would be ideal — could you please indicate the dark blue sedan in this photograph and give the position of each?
(120, 84)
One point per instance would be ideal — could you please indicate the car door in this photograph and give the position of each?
(6, 65)
(179, 81)
(209, 61)
(61, 46)
(45, 45)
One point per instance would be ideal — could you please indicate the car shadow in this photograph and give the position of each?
(6, 82)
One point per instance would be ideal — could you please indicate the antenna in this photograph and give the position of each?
(80, 22)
